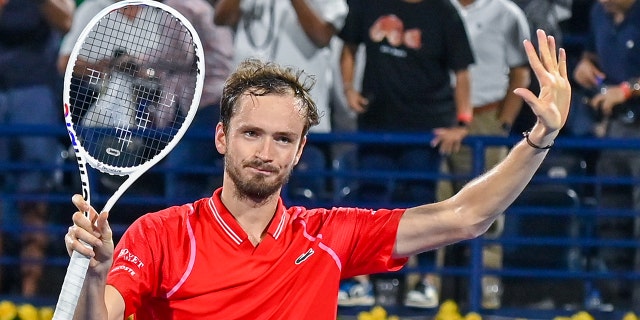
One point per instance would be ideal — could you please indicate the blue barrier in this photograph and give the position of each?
(584, 215)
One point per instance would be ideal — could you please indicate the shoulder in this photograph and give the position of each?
(169, 219)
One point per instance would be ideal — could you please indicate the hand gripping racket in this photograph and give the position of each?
(131, 89)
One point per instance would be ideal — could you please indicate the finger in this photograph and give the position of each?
(79, 219)
(77, 240)
(83, 206)
(553, 59)
(106, 235)
(534, 60)
(528, 96)
(543, 48)
(596, 102)
(435, 142)
(79, 202)
(562, 57)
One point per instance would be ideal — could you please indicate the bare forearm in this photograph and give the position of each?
(91, 304)
(512, 104)
(463, 93)
(347, 65)
(317, 29)
(484, 198)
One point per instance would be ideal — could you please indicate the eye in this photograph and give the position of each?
(284, 139)
(250, 133)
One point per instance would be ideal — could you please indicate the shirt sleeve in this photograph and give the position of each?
(459, 51)
(353, 22)
(133, 271)
(364, 240)
(334, 12)
(81, 18)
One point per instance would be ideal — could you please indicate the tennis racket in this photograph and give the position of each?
(131, 89)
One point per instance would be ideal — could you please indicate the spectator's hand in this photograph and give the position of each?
(94, 230)
(607, 99)
(449, 140)
(551, 106)
(587, 74)
(356, 101)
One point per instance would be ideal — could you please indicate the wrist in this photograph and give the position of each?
(464, 119)
(534, 145)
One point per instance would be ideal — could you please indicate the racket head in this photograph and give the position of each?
(132, 87)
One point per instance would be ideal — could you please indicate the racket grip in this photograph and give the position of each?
(72, 286)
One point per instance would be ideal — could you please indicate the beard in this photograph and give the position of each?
(256, 187)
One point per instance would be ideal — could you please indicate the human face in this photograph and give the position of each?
(263, 143)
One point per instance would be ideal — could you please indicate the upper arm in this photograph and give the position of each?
(114, 302)
(428, 227)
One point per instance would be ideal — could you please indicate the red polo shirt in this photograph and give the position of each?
(196, 262)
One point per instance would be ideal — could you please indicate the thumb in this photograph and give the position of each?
(528, 96)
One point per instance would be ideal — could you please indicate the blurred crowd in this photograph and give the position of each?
(442, 67)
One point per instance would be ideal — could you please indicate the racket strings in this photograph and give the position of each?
(135, 81)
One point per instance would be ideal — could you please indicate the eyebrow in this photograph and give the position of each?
(247, 127)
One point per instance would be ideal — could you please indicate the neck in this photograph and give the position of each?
(465, 3)
(252, 215)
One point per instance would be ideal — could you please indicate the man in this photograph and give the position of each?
(496, 29)
(218, 50)
(289, 32)
(412, 47)
(30, 33)
(610, 65)
(241, 254)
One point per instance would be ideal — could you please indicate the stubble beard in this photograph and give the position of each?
(256, 187)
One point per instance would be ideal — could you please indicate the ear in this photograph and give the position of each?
(303, 142)
(220, 139)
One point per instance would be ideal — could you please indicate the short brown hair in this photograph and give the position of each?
(259, 78)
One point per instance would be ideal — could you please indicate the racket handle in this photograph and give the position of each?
(72, 286)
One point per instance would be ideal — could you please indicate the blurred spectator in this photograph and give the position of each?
(295, 33)
(496, 30)
(218, 48)
(81, 17)
(411, 49)
(30, 94)
(546, 15)
(217, 44)
(610, 67)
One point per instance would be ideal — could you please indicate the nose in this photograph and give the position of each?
(265, 149)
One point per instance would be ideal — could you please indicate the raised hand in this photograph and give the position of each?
(551, 106)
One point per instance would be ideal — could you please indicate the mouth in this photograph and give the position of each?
(263, 170)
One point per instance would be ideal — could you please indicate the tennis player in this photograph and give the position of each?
(241, 254)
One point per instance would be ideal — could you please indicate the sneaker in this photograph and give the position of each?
(424, 295)
(491, 292)
(353, 293)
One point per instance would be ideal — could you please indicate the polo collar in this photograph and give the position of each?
(232, 228)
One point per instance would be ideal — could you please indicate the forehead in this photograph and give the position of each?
(273, 112)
